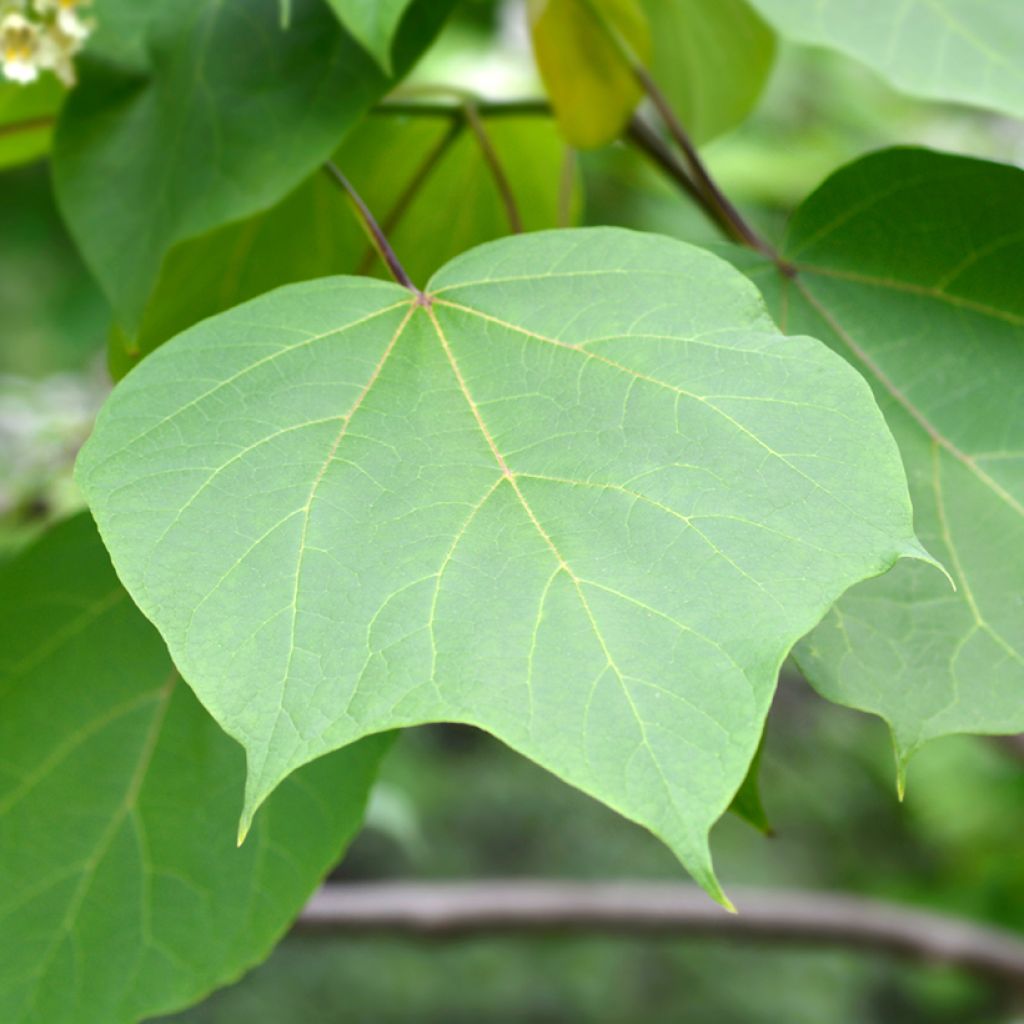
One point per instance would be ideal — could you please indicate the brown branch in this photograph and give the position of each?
(28, 125)
(373, 231)
(493, 161)
(450, 909)
(1012, 745)
(412, 190)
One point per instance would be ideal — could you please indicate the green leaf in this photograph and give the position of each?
(711, 58)
(27, 113)
(961, 50)
(233, 115)
(374, 23)
(122, 893)
(314, 232)
(586, 501)
(909, 266)
(593, 90)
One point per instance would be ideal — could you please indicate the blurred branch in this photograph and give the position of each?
(486, 108)
(471, 110)
(27, 126)
(412, 189)
(447, 909)
(1012, 745)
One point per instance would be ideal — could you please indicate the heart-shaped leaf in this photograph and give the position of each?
(584, 496)
(908, 263)
(122, 893)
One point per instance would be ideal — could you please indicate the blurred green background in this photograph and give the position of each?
(452, 803)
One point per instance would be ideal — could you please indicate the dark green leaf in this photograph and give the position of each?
(122, 892)
(909, 266)
(234, 113)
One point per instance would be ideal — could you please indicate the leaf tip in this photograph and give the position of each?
(917, 551)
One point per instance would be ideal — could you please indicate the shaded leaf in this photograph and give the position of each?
(233, 114)
(586, 501)
(909, 266)
(122, 893)
(313, 232)
(961, 50)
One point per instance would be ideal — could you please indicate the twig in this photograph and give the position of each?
(374, 231)
(650, 143)
(412, 189)
(1012, 745)
(449, 909)
(487, 108)
(707, 191)
(493, 161)
(28, 125)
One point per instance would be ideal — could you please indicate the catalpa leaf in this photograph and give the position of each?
(122, 892)
(230, 114)
(583, 496)
(966, 51)
(908, 264)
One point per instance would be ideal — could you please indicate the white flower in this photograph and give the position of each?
(19, 47)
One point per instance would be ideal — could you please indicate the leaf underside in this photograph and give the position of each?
(909, 266)
(965, 51)
(122, 893)
(586, 501)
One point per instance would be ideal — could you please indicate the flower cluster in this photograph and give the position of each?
(41, 35)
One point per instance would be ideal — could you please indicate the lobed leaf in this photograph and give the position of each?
(122, 893)
(908, 264)
(585, 497)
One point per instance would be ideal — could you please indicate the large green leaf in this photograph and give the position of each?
(711, 58)
(909, 264)
(122, 892)
(235, 112)
(27, 113)
(587, 500)
(313, 232)
(967, 51)
(374, 23)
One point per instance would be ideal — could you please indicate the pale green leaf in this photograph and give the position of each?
(909, 264)
(586, 501)
(593, 90)
(437, 201)
(27, 114)
(122, 892)
(711, 58)
(233, 114)
(966, 51)
(374, 23)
